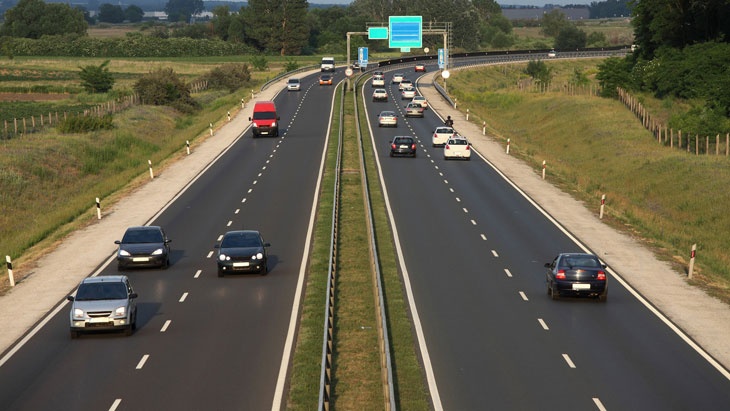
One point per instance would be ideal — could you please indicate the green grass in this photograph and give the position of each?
(595, 146)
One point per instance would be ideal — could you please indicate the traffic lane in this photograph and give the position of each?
(142, 288)
(476, 332)
(535, 285)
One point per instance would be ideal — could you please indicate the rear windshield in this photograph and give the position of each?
(458, 142)
(444, 130)
(142, 236)
(101, 291)
(403, 140)
(579, 261)
(264, 115)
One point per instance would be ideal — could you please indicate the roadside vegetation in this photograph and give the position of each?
(593, 146)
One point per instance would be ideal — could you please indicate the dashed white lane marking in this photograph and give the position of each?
(494, 253)
(458, 200)
(543, 324)
(165, 325)
(568, 360)
(183, 297)
(250, 190)
(115, 404)
(210, 254)
(259, 175)
(436, 167)
(254, 182)
(599, 404)
(141, 362)
(465, 210)
(267, 161)
(229, 223)
(197, 273)
(473, 222)
(220, 237)
(238, 210)
(446, 181)
(451, 189)
(524, 296)
(506, 271)
(244, 200)
(263, 168)
(484, 237)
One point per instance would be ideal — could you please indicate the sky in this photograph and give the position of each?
(538, 3)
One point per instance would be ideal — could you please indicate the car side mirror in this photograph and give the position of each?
(250, 119)
(547, 265)
(70, 298)
(133, 295)
(278, 118)
(267, 244)
(168, 241)
(217, 246)
(117, 242)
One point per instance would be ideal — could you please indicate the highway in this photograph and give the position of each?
(473, 250)
(202, 342)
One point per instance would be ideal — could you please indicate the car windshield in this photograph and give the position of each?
(444, 130)
(241, 240)
(387, 114)
(293, 81)
(142, 236)
(579, 261)
(403, 140)
(458, 142)
(101, 291)
(264, 115)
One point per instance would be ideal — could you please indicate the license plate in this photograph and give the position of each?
(244, 264)
(581, 286)
(403, 146)
(140, 259)
(98, 320)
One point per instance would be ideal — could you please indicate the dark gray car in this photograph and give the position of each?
(242, 251)
(143, 246)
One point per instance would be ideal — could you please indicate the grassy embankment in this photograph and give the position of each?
(666, 197)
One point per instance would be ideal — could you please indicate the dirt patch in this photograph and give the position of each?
(33, 96)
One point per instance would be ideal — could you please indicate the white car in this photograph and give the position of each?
(421, 100)
(293, 84)
(405, 83)
(378, 81)
(552, 53)
(457, 147)
(408, 93)
(387, 119)
(397, 78)
(441, 135)
(380, 94)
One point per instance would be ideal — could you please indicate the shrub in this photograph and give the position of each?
(538, 70)
(164, 88)
(291, 65)
(260, 63)
(230, 76)
(96, 79)
(85, 124)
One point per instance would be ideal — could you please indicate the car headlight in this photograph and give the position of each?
(222, 257)
(157, 252)
(124, 253)
(78, 314)
(254, 124)
(273, 124)
(257, 256)
(121, 312)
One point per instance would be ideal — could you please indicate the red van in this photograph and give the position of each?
(265, 120)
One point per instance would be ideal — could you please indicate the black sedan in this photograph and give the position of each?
(403, 146)
(576, 274)
(143, 246)
(242, 251)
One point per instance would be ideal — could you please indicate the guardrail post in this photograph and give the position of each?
(508, 146)
(467, 114)
(692, 256)
(603, 203)
(152, 175)
(544, 166)
(10, 270)
(211, 129)
(98, 209)
(187, 146)
(484, 128)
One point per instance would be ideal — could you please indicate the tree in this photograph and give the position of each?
(570, 37)
(134, 13)
(109, 13)
(553, 22)
(35, 18)
(183, 10)
(96, 79)
(277, 26)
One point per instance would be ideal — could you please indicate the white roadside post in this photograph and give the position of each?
(152, 175)
(243, 104)
(10, 270)
(692, 256)
(187, 146)
(544, 165)
(229, 116)
(603, 204)
(252, 95)
(508, 145)
(467, 114)
(98, 209)
(484, 128)
(211, 129)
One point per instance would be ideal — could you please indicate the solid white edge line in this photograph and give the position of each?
(293, 319)
(704, 354)
(428, 368)
(115, 404)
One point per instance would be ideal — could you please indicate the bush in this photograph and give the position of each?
(230, 76)
(96, 79)
(260, 63)
(538, 70)
(291, 65)
(85, 124)
(164, 88)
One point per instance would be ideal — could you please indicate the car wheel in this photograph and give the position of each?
(128, 331)
(554, 294)
(220, 273)
(74, 334)
(391, 154)
(603, 297)
(265, 269)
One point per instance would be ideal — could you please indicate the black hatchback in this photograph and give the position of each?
(242, 251)
(403, 146)
(576, 274)
(143, 246)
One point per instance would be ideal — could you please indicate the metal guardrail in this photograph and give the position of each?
(325, 380)
(285, 74)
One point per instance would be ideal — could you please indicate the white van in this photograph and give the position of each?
(328, 64)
